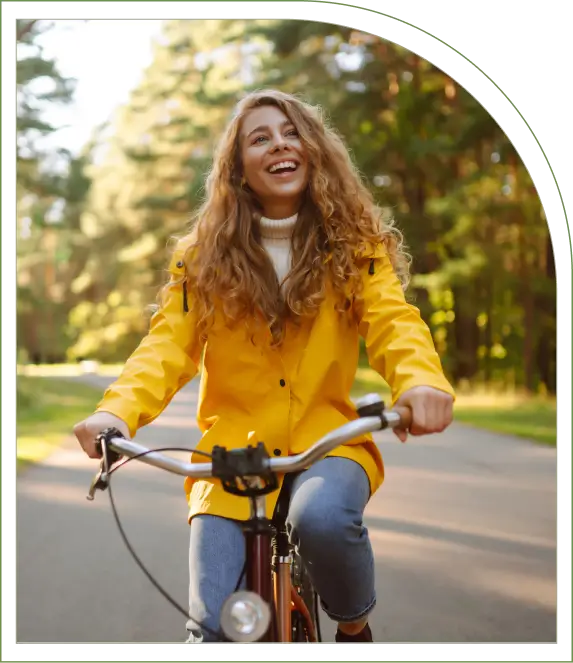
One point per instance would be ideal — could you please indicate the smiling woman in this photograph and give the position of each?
(288, 263)
(225, 255)
(274, 161)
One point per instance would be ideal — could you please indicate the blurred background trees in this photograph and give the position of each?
(94, 230)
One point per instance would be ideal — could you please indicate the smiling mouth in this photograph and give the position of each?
(284, 167)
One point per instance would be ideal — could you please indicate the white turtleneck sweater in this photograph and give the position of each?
(276, 239)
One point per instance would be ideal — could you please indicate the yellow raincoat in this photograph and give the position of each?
(289, 396)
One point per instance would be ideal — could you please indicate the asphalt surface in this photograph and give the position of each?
(463, 529)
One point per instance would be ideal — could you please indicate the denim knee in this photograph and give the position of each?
(325, 524)
(311, 526)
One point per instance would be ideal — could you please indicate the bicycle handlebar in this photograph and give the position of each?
(372, 417)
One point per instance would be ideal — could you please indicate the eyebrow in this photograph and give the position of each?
(264, 127)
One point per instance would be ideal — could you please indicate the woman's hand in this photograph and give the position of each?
(87, 430)
(432, 411)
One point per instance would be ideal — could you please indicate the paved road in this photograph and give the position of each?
(464, 531)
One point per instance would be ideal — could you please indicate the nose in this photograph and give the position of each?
(279, 144)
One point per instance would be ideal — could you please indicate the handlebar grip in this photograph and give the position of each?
(405, 414)
(108, 434)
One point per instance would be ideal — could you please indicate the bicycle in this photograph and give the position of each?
(279, 603)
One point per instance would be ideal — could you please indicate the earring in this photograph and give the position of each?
(243, 182)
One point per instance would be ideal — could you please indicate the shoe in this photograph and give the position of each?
(365, 635)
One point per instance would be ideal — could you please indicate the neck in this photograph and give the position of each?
(280, 209)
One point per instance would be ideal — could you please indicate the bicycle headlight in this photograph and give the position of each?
(245, 617)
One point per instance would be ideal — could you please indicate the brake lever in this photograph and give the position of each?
(99, 482)
(109, 457)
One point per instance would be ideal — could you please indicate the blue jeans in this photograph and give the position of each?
(324, 523)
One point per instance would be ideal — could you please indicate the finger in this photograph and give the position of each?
(402, 435)
(434, 418)
(86, 440)
(78, 428)
(419, 418)
(92, 450)
(450, 411)
(89, 446)
(95, 447)
(405, 414)
(447, 414)
(440, 416)
(80, 433)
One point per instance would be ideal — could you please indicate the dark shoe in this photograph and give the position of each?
(365, 635)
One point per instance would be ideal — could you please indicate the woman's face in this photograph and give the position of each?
(275, 163)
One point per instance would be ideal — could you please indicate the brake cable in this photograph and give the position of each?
(138, 561)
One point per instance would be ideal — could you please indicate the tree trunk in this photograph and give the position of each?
(488, 330)
(527, 297)
(527, 302)
(546, 310)
(466, 336)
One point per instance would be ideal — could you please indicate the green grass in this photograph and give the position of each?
(47, 409)
(516, 414)
(535, 419)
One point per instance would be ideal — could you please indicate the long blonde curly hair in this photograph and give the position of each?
(226, 264)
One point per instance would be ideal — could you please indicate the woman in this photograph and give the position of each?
(289, 261)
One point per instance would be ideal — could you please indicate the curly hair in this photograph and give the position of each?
(225, 262)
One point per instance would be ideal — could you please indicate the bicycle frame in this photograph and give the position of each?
(280, 595)
(257, 472)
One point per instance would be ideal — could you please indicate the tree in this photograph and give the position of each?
(483, 273)
(49, 188)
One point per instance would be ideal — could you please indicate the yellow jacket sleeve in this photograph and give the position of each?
(398, 342)
(165, 360)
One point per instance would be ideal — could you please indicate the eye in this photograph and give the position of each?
(259, 139)
(292, 132)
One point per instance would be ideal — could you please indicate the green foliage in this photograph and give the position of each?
(483, 269)
(49, 204)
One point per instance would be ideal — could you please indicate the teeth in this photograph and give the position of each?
(282, 164)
